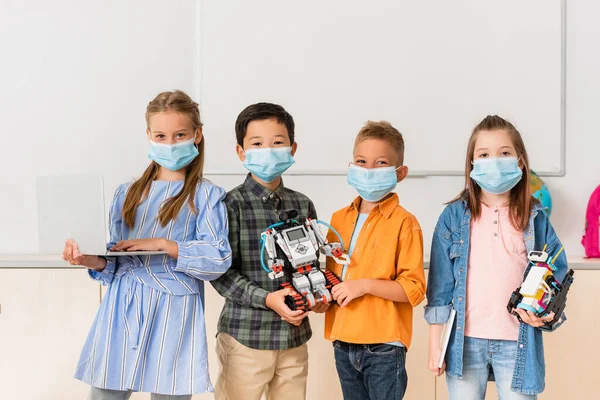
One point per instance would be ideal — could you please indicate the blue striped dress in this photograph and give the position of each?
(149, 334)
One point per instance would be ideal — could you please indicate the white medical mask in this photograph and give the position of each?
(496, 175)
(372, 184)
(268, 163)
(173, 156)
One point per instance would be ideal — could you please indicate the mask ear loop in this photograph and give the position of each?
(519, 160)
(197, 144)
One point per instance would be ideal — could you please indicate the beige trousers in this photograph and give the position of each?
(245, 373)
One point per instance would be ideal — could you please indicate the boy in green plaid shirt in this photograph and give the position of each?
(261, 343)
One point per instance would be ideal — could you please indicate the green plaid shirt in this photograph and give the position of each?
(251, 209)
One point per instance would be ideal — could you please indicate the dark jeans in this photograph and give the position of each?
(371, 371)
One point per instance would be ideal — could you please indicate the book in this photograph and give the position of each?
(446, 336)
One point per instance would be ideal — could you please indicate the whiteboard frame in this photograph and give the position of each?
(417, 173)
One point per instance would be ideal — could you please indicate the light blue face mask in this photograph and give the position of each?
(496, 175)
(173, 156)
(372, 184)
(269, 163)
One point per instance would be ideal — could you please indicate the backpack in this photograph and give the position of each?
(591, 237)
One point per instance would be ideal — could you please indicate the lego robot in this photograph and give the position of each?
(297, 245)
(540, 293)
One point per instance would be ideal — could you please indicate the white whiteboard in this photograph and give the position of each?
(433, 68)
(76, 79)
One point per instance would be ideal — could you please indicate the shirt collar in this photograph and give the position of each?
(386, 207)
(264, 194)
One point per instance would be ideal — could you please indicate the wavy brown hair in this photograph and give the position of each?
(521, 201)
(179, 102)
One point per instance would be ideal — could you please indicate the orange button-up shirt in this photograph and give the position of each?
(389, 247)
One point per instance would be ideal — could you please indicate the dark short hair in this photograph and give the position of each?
(262, 111)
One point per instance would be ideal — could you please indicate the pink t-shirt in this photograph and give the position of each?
(497, 261)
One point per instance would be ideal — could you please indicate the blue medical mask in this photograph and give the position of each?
(268, 163)
(372, 184)
(173, 156)
(496, 175)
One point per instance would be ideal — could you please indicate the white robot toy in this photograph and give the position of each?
(540, 292)
(298, 245)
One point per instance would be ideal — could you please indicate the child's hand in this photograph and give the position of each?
(139, 245)
(276, 302)
(321, 307)
(72, 255)
(347, 291)
(530, 319)
(434, 358)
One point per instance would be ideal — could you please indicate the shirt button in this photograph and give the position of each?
(462, 241)
(495, 222)
(496, 210)
(495, 233)
(264, 199)
(458, 328)
(460, 299)
(271, 196)
(460, 270)
(521, 346)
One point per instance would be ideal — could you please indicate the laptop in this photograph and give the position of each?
(72, 207)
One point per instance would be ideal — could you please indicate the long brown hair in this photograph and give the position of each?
(179, 102)
(521, 201)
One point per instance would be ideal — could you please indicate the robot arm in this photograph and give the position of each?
(274, 264)
(333, 250)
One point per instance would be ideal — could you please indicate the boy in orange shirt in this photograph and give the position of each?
(371, 324)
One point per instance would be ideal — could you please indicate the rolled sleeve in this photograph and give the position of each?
(410, 269)
(437, 315)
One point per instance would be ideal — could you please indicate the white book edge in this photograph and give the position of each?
(446, 336)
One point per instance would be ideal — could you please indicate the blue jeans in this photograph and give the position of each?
(480, 357)
(371, 371)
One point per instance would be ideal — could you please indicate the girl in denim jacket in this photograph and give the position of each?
(478, 257)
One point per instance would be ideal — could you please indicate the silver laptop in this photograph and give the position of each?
(72, 207)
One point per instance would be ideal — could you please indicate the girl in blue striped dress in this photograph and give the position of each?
(149, 333)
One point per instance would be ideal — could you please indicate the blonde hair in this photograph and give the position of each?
(382, 130)
(179, 102)
(521, 200)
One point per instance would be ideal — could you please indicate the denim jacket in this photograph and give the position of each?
(446, 289)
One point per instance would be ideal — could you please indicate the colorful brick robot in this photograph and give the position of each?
(297, 245)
